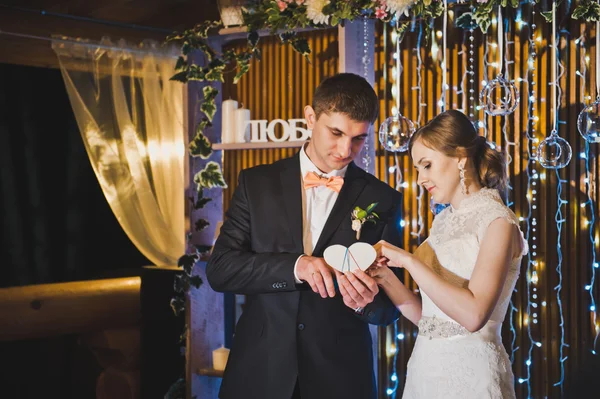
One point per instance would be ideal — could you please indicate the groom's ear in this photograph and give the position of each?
(311, 117)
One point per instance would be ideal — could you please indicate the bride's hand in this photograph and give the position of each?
(381, 274)
(390, 255)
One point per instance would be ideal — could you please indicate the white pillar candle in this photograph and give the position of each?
(220, 357)
(242, 125)
(227, 121)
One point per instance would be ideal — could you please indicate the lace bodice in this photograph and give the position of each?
(456, 235)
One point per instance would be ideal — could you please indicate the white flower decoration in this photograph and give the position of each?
(399, 6)
(314, 11)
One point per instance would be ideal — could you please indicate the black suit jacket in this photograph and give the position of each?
(288, 332)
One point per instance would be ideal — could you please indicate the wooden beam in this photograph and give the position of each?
(37, 52)
(44, 310)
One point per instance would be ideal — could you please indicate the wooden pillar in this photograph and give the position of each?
(205, 310)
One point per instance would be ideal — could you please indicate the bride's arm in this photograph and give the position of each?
(471, 307)
(407, 302)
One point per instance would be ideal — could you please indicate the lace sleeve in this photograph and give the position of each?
(499, 211)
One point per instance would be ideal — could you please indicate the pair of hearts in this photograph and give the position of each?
(359, 255)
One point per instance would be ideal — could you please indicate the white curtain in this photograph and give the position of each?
(131, 120)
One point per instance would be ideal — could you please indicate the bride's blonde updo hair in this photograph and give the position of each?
(453, 134)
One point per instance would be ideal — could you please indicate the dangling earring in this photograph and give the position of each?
(463, 185)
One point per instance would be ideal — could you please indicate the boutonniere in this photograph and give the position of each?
(360, 216)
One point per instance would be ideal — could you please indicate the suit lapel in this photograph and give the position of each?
(292, 197)
(354, 184)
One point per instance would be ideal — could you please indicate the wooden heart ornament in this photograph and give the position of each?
(360, 255)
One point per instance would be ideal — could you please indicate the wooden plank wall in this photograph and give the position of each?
(277, 87)
(282, 83)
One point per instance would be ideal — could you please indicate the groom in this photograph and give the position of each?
(304, 330)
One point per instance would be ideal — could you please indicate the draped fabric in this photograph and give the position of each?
(130, 116)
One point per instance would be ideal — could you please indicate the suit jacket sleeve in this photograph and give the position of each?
(234, 267)
(382, 311)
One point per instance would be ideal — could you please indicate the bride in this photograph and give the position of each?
(479, 246)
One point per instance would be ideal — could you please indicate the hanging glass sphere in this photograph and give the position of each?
(554, 152)
(395, 132)
(499, 97)
(588, 123)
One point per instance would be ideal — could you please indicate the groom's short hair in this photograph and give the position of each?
(348, 94)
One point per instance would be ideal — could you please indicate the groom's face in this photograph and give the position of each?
(336, 139)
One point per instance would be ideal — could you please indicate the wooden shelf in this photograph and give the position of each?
(210, 373)
(257, 146)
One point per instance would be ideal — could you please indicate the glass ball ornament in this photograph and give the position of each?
(395, 133)
(588, 123)
(554, 152)
(499, 97)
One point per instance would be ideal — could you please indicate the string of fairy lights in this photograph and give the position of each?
(559, 218)
(504, 45)
(505, 62)
(588, 205)
(593, 237)
(530, 222)
(392, 344)
(366, 61)
(419, 89)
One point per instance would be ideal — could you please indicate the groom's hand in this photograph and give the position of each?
(317, 274)
(358, 289)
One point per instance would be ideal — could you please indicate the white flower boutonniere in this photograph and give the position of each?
(360, 216)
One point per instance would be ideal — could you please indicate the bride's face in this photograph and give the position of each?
(437, 173)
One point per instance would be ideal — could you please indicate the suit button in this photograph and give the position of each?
(300, 326)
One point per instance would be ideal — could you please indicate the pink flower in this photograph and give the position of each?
(300, 2)
(282, 5)
(380, 12)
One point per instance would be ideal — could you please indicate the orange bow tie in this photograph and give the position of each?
(311, 179)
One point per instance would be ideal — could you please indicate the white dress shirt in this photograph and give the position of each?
(317, 203)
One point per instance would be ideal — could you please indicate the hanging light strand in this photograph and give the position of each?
(365, 63)
(530, 220)
(591, 223)
(559, 218)
(419, 89)
(443, 100)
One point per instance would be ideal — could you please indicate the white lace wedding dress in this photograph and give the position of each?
(448, 361)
